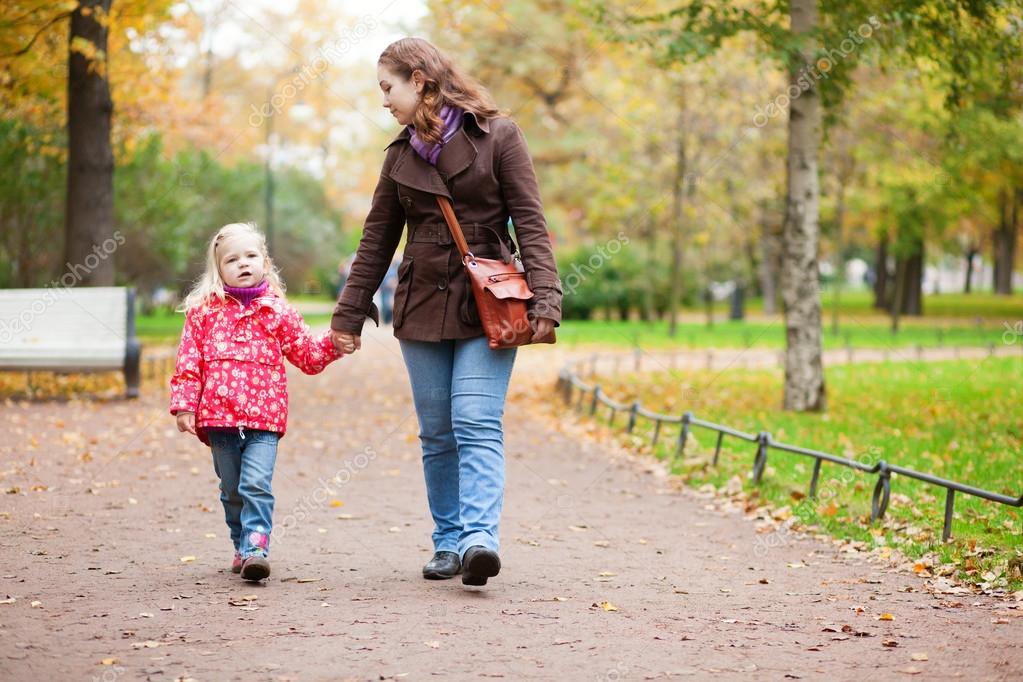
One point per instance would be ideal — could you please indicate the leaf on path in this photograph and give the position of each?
(36, 604)
(433, 644)
(187, 559)
(108, 661)
(919, 656)
(890, 643)
(606, 605)
(8, 600)
(336, 503)
(885, 616)
(148, 644)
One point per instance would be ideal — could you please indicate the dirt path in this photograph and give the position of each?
(698, 591)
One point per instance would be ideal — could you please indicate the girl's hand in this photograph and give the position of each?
(542, 327)
(345, 342)
(186, 422)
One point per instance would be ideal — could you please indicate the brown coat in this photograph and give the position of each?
(486, 171)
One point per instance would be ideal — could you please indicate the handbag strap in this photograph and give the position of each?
(456, 229)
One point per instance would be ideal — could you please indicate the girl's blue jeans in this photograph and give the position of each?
(459, 388)
(245, 467)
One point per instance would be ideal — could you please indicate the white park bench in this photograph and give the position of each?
(67, 329)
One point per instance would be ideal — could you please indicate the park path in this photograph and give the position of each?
(113, 555)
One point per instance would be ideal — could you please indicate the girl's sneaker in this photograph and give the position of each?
(255, 568)
(236, 565)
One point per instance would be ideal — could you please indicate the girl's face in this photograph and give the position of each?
(401, 97)
(241, 261)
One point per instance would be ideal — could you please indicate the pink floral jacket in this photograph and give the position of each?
(230, 363)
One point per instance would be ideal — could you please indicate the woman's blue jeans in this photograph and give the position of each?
(459, 388)
(245, 467)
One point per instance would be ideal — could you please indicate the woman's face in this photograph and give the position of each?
(401, 97)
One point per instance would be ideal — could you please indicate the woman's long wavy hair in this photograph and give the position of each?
(210, 284)
(444, 84)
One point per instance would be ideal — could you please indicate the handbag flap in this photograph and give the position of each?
(509, 287)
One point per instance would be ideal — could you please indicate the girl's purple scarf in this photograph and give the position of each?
(451, 118)
(247, 294)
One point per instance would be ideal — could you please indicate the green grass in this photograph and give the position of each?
(961, 420)
(975, 319)
(740, 334)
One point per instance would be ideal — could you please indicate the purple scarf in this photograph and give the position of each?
(247, 294)
(451, 118)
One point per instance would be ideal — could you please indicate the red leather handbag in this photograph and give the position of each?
(500, 291)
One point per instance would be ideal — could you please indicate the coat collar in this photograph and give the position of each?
(414, 171)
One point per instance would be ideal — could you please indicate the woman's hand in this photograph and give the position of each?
(542, 327)
(345, 342)
(186, 422)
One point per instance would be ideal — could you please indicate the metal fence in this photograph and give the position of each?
(574, 389)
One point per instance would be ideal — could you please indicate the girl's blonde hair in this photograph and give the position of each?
(210, 284)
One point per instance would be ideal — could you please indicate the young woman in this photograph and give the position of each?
(455, 143)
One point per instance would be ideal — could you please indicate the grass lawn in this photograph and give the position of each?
(949, 319)
(961, 420)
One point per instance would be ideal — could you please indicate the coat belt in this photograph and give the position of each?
(440, 234)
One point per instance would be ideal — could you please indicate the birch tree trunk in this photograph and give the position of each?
(804, 372)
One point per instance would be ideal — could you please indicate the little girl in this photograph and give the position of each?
(229, 386)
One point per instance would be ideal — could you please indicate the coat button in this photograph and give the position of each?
(442, 283)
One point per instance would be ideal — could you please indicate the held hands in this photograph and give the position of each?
(186, 422)
(345, 342)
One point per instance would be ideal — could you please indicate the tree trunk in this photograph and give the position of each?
(804, 372)
(678, 198)
(649, 293)
(913, 287)
(881, 281)
(971, 254)
(769, 257)
(1003, 242)
(839, 253)
(89, 222)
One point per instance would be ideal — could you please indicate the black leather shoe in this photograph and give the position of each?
(479, 564)
(442, 566)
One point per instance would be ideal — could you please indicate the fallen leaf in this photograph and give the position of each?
(108, 661)
(920, 656)
(187, 559)
(608, 606)
(336, 503)
(148, 644)
(886, 616)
